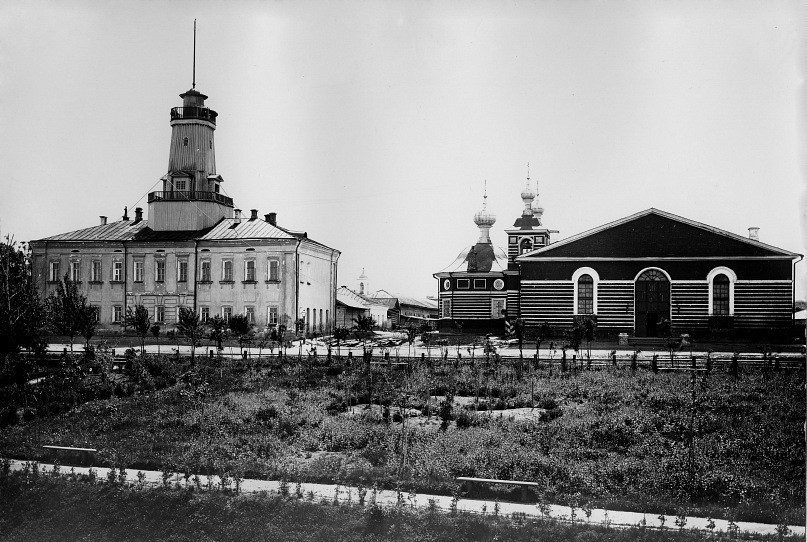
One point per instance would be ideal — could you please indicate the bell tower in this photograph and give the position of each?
(527, 233)
(191, 197)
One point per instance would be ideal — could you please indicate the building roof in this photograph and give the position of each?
(122, 230)
(225, 229)
(349, 298)
(406, 300)
(659, 234)
(479, 258)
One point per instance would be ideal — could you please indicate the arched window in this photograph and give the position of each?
(526, 246)
(185, 142)
(585, 295)
(720, 295)
(584, 284)
(721, 282)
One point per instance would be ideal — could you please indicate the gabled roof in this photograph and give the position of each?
(656, 233)
(406, 300)
(122, 230)
(349, 298)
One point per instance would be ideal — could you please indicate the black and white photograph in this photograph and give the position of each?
(407, 270)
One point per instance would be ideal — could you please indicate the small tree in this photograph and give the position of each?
(543, 333)
(88, 323)
(241, 327)
(68, 310)
(218, 331)
(191, 327)
(364, 329)
(155, 332)
(340, 334)
(138, 318)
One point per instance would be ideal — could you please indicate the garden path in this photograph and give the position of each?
(443, 502)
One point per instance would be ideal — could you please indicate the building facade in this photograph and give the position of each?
(195, 250)
(647, 274)
(655, 270)
(474, 290)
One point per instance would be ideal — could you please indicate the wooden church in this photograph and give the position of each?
(644, 275)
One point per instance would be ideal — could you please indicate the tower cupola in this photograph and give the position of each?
(484, 221)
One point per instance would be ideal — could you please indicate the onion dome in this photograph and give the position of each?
(527, 195)
(484, 220)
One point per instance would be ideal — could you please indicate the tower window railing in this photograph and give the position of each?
(190, 195)
(178, 113)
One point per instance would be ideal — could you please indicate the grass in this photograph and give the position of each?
(616, 439)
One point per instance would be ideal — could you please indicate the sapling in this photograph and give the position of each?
(141, 480)
(237, 479)
(362, 494)
(309, 496)
(197, 482)
(111, 476)
(122, 475)
(496, 508)
(92, 475)
(56, 469)
(432, 508)
(5, 468)
(166, 477)
(283, 488)
(681, 521)
(710, 525)
(298, 490)
(336, 495)
(662, 520)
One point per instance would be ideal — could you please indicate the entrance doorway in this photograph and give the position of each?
(651, 302)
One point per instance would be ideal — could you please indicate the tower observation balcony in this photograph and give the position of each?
(190, 195)
(189, 113)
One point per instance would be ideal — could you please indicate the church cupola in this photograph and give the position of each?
(527, 233)
(191, 197)
(484, 221)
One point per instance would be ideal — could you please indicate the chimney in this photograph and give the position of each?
(753, 233)
(126, 213)
(237, 216)
(138, 214)
(271, 218)
(103, 220)
(254, 215)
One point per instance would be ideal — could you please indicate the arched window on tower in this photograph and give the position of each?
(585, 295)
(526, 246)
(185, 142)
(720, 295)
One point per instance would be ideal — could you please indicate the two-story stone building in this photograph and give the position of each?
(195, 250)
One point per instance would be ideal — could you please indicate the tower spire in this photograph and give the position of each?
(194, 54)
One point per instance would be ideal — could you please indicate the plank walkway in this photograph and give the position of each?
(613, 518)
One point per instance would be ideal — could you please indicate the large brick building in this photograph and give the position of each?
(195, 249)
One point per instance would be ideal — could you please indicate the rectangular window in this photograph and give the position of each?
(249, 312)
(96, 271)
(75, 270)
(204, 314)
(226, 313)
(205, 271)
(138, 271)
(271, 317)
(159, 313)
(227, 270)
(182, 271)
(54, 272)
(159, 270)
(181, 184)
(117, 271)
(117, 314)
(446, 313)
(97, 310)
(497, 308)
(249, 270)
(463, 284)
(274, 270)
(480, 284)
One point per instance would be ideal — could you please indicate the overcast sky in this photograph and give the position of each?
(373, 125)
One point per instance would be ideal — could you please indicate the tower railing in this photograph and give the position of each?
(203, 113)
(190, 195)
